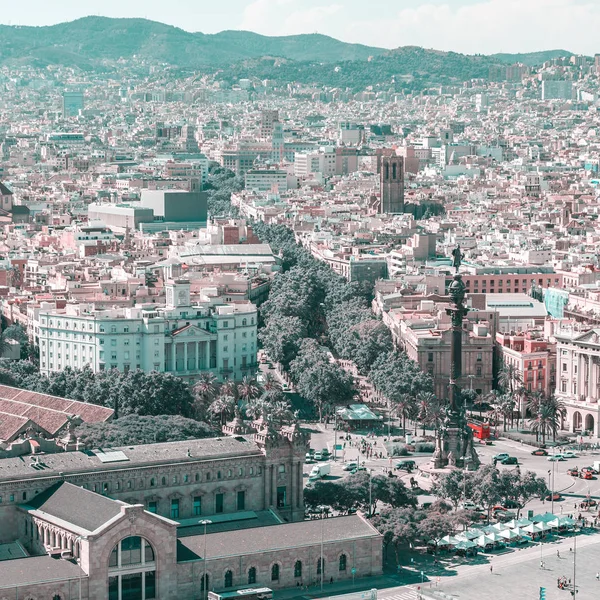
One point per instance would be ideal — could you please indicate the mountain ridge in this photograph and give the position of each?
(92, 41)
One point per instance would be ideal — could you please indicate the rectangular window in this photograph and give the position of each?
(197, 506)
(219, 503)
(113, 588)
(152, 507)
(281, 496)
(241, 500)
(150, 585)
(131, 586)
(175, 509)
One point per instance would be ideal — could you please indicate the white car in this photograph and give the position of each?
(556, 457)
(569, 454)
(350, 466)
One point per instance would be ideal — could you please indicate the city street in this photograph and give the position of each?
(572, 489)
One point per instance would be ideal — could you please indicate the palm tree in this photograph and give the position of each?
(436, 414)
(228, 388)
(224, 406)
(509, 378)
(506, 408)
(511, 382)
(247, 389)
(546, 421)
(204, 392)
(424, 401)
(404, 406)
(557, 409)
(282, 413)
(534, 401)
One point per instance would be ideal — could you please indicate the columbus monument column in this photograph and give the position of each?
(454, 440)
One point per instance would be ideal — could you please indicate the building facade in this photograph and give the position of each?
(178, 338)
(578, 378)
(164, 520)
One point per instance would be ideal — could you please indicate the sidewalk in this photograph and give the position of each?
(346, 587)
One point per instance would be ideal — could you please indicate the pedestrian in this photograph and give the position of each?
(541, 564)
(491, 568)
(597, 576)
(558, 554)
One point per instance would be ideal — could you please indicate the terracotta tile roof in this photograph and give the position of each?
(11, 425)
(48, 412)
(50, 420)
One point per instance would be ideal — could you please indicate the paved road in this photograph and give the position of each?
(572, 489)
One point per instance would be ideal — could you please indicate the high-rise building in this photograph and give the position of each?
(267, 119)
(557, 90)
(392, 184)
(72, 103)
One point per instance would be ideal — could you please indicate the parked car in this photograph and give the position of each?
(350, 466)
(569, 454)
(556, 457)
(406, 465)
(510, 504)
(540, 452)
(509, 460)
(357, 469)
(468, 505)
(506, 515)
(501, 456)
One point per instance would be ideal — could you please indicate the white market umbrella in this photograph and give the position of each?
(509, 534)
(484, 540)
(533, 528)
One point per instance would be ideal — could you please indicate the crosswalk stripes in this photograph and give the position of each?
(407, 594)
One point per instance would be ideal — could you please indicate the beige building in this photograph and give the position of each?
(128, 524)
(578, 377)
(425, 335)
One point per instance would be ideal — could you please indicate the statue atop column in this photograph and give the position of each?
(457, 257)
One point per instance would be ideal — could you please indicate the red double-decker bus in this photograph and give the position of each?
(480, 430)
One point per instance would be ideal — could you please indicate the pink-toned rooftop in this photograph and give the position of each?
(50, 413)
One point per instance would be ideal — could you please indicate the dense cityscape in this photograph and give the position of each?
(295, 318)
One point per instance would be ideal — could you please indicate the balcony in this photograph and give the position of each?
(224, 370)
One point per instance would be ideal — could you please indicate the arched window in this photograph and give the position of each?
(320, 564)
(203, 579)
(164, 481)
(228, 579)
(152, 482)
(342, 562)
(275, 572)
(252, 575)
(132, 570)
(244, 322)
(298, 569)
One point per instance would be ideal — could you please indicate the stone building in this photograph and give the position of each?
(180, 337)
(578, 378)
(128, 524)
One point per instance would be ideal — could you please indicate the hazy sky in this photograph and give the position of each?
(470, 26)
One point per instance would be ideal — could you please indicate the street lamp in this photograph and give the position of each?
(370, 490)
(321, 559)
(205, 522)
(574, 592)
